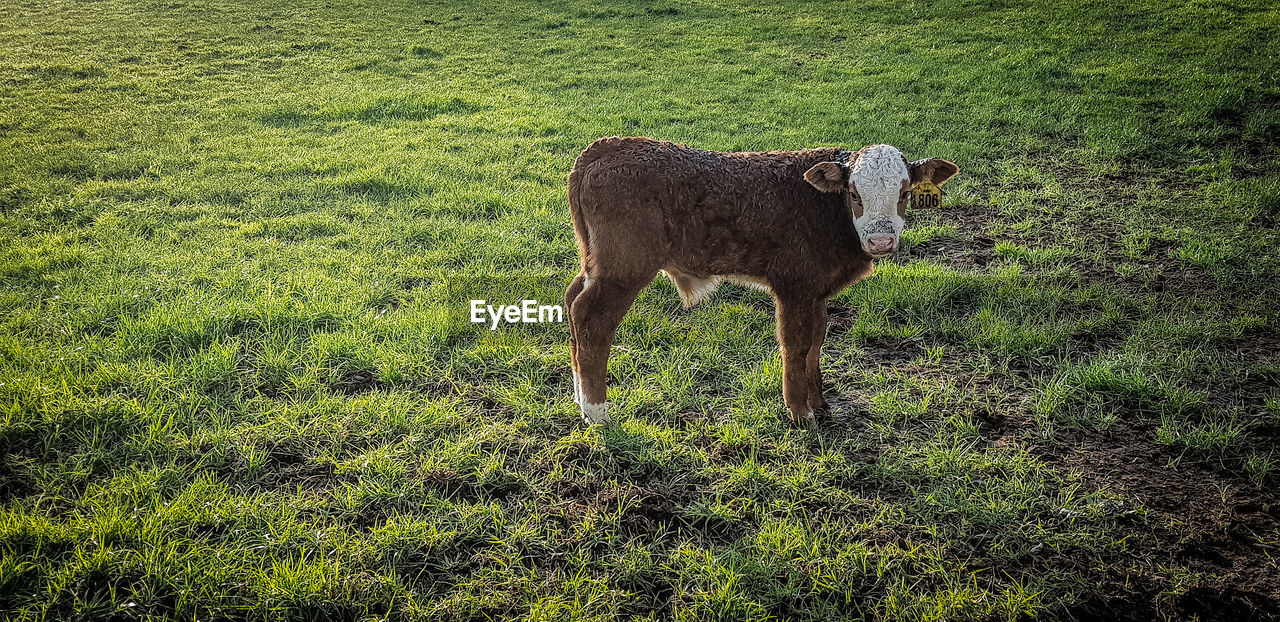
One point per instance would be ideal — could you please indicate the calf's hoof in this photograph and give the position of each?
(808, 422)
(595, 414)
(804, 420)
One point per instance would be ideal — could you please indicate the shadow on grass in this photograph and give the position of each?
(386, 109)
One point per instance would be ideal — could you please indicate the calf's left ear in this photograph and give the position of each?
(826, 176)
(933, 170)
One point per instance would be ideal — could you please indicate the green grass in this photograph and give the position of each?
(238, 379)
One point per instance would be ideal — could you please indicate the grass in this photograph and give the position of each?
(238, 241)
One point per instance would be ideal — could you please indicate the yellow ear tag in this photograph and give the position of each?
(925, 195)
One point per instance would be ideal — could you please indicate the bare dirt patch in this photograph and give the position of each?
(1199, 516)
(641, 512)
(974, 247)
(956, 252)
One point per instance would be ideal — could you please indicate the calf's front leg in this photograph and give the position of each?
(816, 400)
(796, 318)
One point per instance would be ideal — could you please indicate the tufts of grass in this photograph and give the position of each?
(238, 376)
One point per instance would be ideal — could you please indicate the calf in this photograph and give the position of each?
(802, 225)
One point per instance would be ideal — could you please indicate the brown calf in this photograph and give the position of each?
(802, 225)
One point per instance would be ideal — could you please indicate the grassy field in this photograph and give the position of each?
(238, 380)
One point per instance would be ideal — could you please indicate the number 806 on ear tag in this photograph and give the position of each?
(925, 195)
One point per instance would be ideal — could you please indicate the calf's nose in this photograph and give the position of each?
(881, 243)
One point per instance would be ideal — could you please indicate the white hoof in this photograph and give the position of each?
(596, 413)
(808, 421)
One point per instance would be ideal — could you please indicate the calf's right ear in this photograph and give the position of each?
(933, 170)
(826, 176)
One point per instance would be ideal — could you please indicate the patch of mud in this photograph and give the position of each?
(958, 253)
(356, 382)
(455, 487)
(974, 246)
(288, 466)
(1199, 516)
(895, 352)
(641, 512)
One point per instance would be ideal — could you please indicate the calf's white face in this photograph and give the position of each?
(876, 183)
(879, 187)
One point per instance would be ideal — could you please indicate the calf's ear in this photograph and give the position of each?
(933, 170)
(826, 176)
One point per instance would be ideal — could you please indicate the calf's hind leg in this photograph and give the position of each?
(596, 313)
(570, 295)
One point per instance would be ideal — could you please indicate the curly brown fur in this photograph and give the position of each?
(641, 206)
